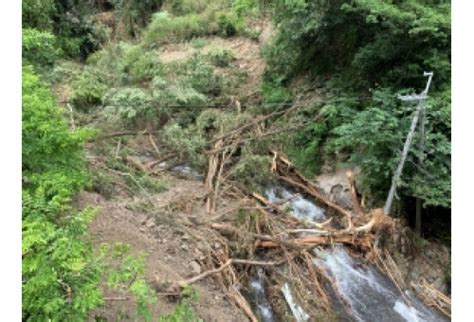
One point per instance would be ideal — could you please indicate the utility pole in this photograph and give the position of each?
(419, 114)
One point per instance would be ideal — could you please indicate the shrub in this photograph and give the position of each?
(228, 25)
(187, 141)
(37, 14)
(244, 7)
(184, 95)
(184, 7)
(222, 57)
(201, 76)
(88, 89)
(139, 65)
(274, 94)
(60, 276)
(252, 170)
(129, 105)
(165, 28)
(135, 14)
(125, 63)
(39, 47)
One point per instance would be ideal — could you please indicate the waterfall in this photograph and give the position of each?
(370, 295)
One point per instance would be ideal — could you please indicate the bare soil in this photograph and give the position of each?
(169, 250)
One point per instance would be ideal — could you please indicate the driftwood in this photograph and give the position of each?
(363, 242)
(163, 159)
(355, 201)
(433, 297)
(227, 264)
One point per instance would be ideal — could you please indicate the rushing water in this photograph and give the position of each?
(301, 207)
(257, 284)
(370, 295)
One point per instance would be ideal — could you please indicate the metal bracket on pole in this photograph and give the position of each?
(419, 111)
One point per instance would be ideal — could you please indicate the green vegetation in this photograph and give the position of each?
(87, 89)
(368, 52)
(60, 275)
(222, 57)
(183, 311)
(345, 61)
(39, 47)
(165, 28)
(70, 21)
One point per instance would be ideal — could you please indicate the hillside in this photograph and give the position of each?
(228, 161)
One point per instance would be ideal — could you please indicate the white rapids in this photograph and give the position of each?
(370, 295)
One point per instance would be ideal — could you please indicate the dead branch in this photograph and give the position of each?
(235, 295)
(122, 133)
(224, 266)
(355, 201)
(162, 159)
(150, 137)
(319, 196)
(251, 124)
(364, 242)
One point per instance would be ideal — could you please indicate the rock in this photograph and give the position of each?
(184, 247)
(195, 267)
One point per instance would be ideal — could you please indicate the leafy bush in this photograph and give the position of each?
(244, 7)
(184, 95)
(60, 275)
(184, 7)
(125, 63)
(187, 141)
(135, 14)
(274, 94)
(252, 170)
(130, 106)
(47, 143)
(139, 65)
(165, 28)
(201, 76)
(88, 89)
(39, 47)
(222, 57)
(125, 272)
(37, 14)
(228, 25)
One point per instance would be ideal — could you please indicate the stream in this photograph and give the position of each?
(370, 295)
